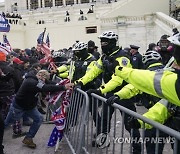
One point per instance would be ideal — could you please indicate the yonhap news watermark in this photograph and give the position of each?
(143, 140)
(104, 140)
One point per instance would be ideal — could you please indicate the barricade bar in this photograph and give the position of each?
(85, 122)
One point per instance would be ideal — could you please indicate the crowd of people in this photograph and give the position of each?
(116, 65)
(128, 77)
(11, 15)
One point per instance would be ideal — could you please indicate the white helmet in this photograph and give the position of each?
(57, 54)
(175, 39)
(79, 46)
(151, 55)
(109, 35)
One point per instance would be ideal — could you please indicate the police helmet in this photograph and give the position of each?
(57, 54)
(109, 35)
(175, 39)
(79, 46)
(151, 56)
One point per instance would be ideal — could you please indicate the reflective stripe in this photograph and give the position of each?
(99, 66)
(90, 55)
(157, 83)
(164, 102)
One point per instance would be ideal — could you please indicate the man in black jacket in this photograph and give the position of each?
(6, 93)
(26, 102)
(92, 49)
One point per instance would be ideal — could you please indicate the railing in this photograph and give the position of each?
(167, 20)
(88, 130)
(76, 121)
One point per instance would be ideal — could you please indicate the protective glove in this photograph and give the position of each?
(132, 123)
(112, 99)
(96, 91)
(114, 64)
(78, 85)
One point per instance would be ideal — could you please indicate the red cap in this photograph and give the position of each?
(17, 61)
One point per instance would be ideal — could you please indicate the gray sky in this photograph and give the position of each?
(1, 0)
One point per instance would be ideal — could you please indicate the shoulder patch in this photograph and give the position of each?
(134, 58)
(124, 61)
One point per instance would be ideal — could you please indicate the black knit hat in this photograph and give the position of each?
(91, 43)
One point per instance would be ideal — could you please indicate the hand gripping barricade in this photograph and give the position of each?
(82, 128)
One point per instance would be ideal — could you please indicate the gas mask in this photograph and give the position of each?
(165, 45)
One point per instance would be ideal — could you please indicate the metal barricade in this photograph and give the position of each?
(88, 132)
(76, 121)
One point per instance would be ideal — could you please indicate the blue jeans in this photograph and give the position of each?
(16, 113)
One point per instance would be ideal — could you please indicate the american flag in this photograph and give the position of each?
(59, 116)
(48, 40)
(52, 66)
(5, 49)
(5, 40)
(42, 46)
(54, 137)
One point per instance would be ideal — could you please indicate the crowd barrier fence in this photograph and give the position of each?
(84, 126)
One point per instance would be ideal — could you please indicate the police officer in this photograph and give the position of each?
(164, 84)
(112, 56)
(83, 59)
(136, 57)
(165, 48)
(92, 49)
(136, 61)
(83, 63)
(152, 60)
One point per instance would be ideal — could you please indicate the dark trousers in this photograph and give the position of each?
(107, 115)
(150, 146)
(1, 132)
(93, 108)
(151, 133)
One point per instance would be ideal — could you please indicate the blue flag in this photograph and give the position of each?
(4, 25)
(5, 40)
(40, 38)
(54, 137)
(48, 40)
